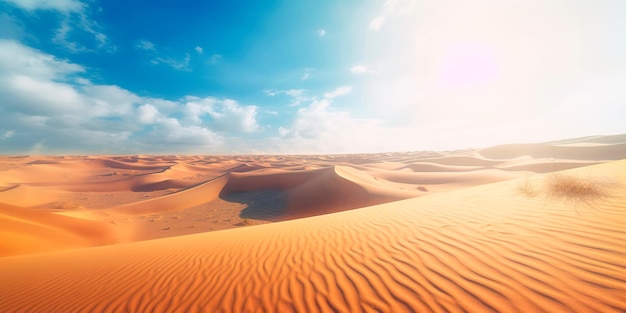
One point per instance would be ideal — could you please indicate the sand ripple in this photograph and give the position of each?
(460, 251)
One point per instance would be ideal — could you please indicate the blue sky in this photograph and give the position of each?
(228, 77)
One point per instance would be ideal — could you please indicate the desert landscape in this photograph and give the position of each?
(511, 228)
(312, 156)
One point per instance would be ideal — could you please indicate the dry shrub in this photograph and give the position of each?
(527, 188)
(576, 191)
(579, 190)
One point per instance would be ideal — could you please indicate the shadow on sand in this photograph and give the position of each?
(267, 205)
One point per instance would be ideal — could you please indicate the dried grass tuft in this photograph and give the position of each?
(575, 190)
(579, 190)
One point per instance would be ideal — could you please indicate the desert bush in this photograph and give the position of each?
(575, 188)
(527, 188)
(579, 190)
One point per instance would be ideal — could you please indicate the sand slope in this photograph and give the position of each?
(570, 151)
(151, 197)
(477, 249)
(26, 231)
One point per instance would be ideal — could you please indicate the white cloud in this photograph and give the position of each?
(42, 102)
(75, 22)
(17, 58)
(110, 99)
(307, 73)
(283, 132)
(214, 59)
(233, 117)
(314, 119)
(37, 148)
(222, 115)
(321, 33)
(147, 113)
(391, 8)
(294, 92)
(171, 131)
(343, 90)
(82, 81)
(177, 64)
(195, 108)
(199, 49)
(358, 69)
(159, 58)
(145, 45)
(40, 97)
(8, 134)
(59, 5)
(297, 95)
(318, 128)
(74, 25)
(289, 92)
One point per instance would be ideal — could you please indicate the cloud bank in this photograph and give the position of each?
(49, 106)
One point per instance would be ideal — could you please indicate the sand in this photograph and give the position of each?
(473, 230)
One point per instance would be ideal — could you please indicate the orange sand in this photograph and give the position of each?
(441, 232)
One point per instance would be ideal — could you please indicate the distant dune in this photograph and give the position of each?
(464, 231)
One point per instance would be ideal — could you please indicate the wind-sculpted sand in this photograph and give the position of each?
(399, 232)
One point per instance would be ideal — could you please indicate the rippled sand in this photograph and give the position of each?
(459, 231)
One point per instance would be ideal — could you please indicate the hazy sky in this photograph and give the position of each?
(296, 76)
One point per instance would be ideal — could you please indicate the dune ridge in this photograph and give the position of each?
(595, 151)
(163, 196)
(177, 201)
(453, 251)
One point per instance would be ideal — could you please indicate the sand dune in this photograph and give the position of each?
(544, 166)
(454, 231)
(477, 249)
(26, 196)
(610, 139)
(435, 167)
(591, 151)
(177, 201)
(26, 231)
(463, 161)
(139, 193)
